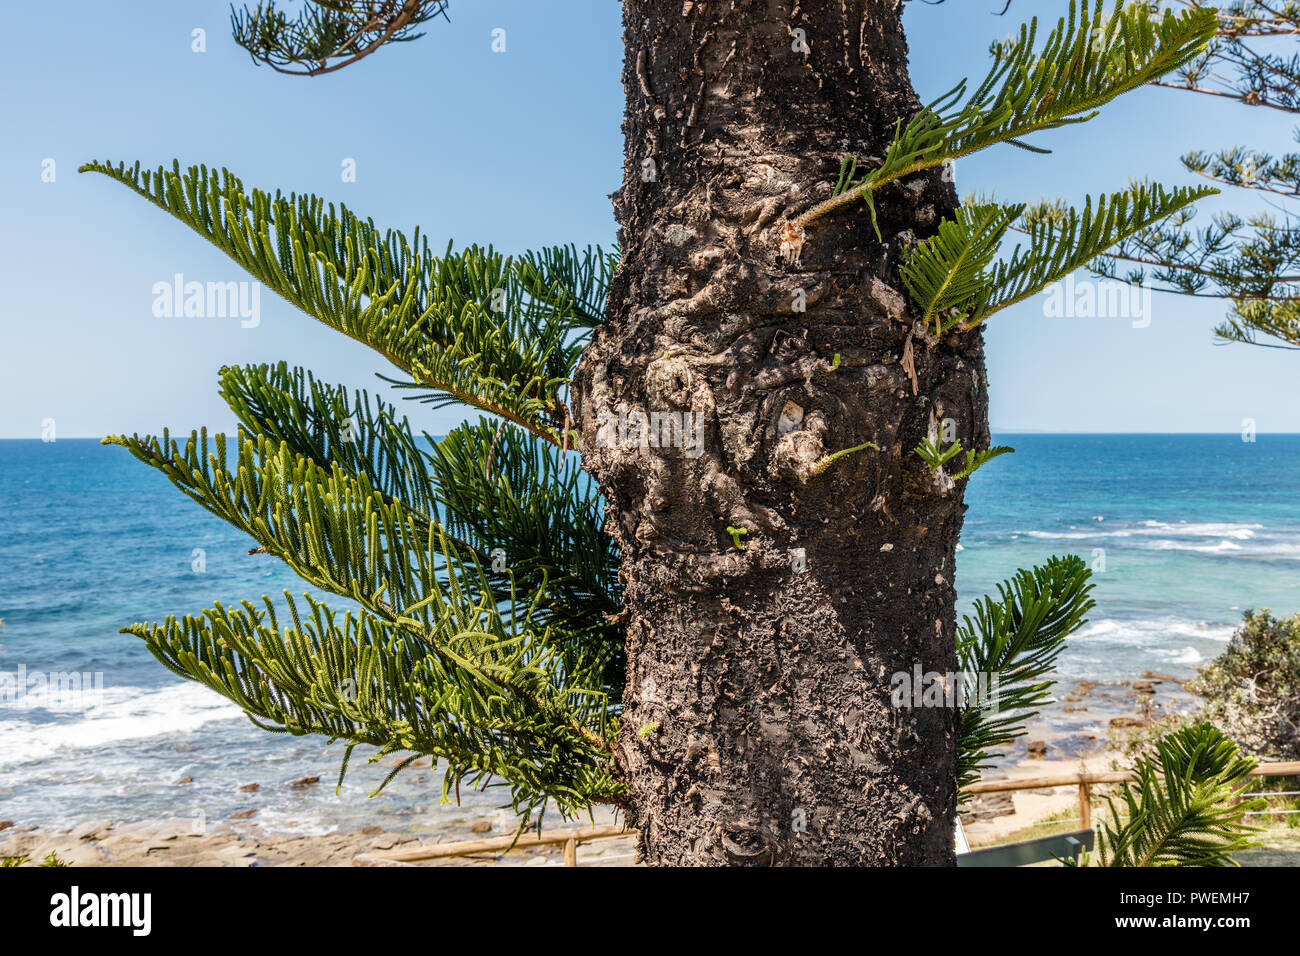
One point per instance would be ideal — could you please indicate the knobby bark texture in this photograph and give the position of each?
(758, 724)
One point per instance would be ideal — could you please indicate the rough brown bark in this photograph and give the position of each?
(758, 727)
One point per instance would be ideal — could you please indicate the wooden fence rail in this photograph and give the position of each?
(571, 837)
(1084, 782)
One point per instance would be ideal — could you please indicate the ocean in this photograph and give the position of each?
(1184, 532)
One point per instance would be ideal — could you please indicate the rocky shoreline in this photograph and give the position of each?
(1083, 729)
(176, 842)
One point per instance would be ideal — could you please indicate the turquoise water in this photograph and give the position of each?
(1183, 531)
(1193, 529)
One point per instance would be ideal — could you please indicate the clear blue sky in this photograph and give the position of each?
(516, 149)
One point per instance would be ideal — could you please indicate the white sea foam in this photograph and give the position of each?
(1187, 656)
(1236, 539)
(1217, 548)
(1187, 529)
(124, 713)
(1149, 633)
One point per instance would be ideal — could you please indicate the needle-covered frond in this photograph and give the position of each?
(1060, 244)
(334, 529)
(325, 424)
(453, 679)
(1254, 262)
(1012, 645)
(1247, 62)
(1086, 61)
(575, 281)
(339, 532)
(502, 489)
(1182, 809)
(327, 35)
(947, 275)
(462, 325)
(952, 275)
(1253, 320)
(413, 581)
(513, 501)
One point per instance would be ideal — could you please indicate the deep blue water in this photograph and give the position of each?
(1194, 529)
(1190, 530)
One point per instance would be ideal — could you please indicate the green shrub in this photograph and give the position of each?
(1252, 690)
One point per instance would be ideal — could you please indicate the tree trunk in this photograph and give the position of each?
(758, 726)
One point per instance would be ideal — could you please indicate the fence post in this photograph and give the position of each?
(1085, 804)
(570, 852)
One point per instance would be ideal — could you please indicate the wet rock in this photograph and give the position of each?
(186, 779)
(1037, 749)
(1128, 722)
(1157, 677)
(250, 787)
(987, 806)
(93, 831)
(304, 781)
(243, 814)
(483, 826)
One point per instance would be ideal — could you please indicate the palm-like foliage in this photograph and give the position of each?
(1086, 61)
(1014, 640)
(449, 661)
(473, 327)
(1180, 811)
(932, 452)
(952, 275)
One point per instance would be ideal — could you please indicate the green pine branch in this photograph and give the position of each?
(932, 452)
(420, 595)
(500, 488)
(1250, 321)
(1253, 262)
(1245, 62)
(327, 35)
(462, 325)
(1182, 810)
(935, 455)
(947, 274)
(573, 282)
(1013, 641)
(952, 275)
(1060, 245)
(1086, 61)
(461, 683)
(325, 424)
(489, 486)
